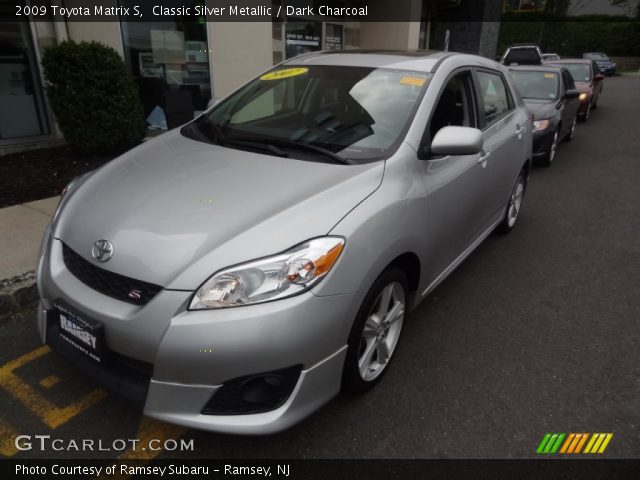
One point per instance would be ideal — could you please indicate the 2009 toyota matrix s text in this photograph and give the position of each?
(233, 275)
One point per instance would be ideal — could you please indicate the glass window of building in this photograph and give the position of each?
(22, 112)
(171, 62)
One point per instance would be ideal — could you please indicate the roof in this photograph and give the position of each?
(419, 60)
(571, 60)
(537, 68)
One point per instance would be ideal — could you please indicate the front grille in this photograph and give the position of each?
(108, 283)
(254, 393)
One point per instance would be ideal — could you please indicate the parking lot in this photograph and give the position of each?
(536, 332)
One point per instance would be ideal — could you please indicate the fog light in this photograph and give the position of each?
(254, 393)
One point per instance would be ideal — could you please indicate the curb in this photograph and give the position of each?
(18, 292)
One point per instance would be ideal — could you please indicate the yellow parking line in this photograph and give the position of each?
(49, 382)
(7, 439)
(52, 415)
(148, 430)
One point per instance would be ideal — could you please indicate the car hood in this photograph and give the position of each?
(541, 109)
(177, 210)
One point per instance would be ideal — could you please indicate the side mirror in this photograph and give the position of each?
(571, 93)
(457, 141)
(599, 77)
(212, 102)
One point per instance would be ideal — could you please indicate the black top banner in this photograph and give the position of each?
(281, 10)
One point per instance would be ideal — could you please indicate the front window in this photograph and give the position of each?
(354, 113)
(495, 99)
(580, 72)
(536, 85)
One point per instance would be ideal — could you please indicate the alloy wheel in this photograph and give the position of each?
(515, 201)
(573, 127)
(381, 331)
(554, 147)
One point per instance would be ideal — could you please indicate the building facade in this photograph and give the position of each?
(194, 61)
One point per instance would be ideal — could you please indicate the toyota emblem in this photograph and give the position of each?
(102, 250)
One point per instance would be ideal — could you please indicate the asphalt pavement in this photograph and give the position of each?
(536, 332)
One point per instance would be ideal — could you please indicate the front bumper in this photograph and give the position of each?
(192, 354)
(542, 142)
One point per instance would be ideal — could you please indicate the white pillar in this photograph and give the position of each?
(237, 52)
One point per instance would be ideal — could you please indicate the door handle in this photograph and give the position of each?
(519, 130)
(483, 156)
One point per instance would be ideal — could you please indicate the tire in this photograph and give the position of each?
(572, 130)
(553, 148)
(585, 116)
(370, 339)
(512, 212)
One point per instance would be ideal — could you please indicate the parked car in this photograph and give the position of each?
(550, 94)
(234, 274)
(522, 54)
(550, 56)
(606, 64)
(589, 82)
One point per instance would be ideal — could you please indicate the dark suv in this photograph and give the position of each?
(522, 55)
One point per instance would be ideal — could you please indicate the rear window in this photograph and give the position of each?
(522, 56)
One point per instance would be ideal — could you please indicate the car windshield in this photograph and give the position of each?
(353, 113)
(595, 56)
(536, 85)
(580, 72)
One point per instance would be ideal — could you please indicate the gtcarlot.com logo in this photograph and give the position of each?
(574, 443)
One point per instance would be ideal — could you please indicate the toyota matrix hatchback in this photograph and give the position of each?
(235, 274)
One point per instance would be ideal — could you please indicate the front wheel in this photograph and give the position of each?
(551, 153)
(515, 203)
(375, 332)
(585, 115)
(572, 130)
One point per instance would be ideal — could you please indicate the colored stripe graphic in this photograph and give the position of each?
(550, 443)
(572, 443)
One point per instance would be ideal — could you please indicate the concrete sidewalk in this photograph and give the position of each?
(21, 228)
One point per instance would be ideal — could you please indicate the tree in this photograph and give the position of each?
(631, 7)
(94, 97)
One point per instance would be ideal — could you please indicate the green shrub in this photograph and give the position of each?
(94, 97)
(571, 36)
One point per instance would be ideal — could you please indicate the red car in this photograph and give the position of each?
(588, 79)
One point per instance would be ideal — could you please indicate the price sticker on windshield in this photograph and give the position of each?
(286, 73)
(413, 81)
(550, 75)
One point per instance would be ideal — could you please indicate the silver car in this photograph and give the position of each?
(235, 274)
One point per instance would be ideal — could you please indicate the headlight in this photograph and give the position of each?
(271, 278)
(540, 125)
(70, 186)
(583, 96)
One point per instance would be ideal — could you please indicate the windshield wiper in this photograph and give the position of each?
(256, 144)
(283, 143)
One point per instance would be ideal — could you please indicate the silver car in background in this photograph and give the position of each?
(235, 274)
